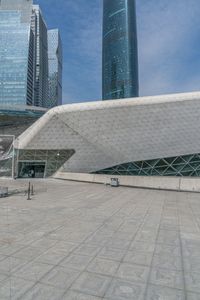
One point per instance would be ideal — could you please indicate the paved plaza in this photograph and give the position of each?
(78, 241)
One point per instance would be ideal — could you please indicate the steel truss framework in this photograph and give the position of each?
(186, 165)
(6, 155)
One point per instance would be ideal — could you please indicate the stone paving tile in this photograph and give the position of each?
(33, 271)
(85, 249)
(122, 290)
(192, 282)
(166, 225)
(28, 253)
(133, 272)
(8, 236)
(43, 243)
(11, 264)
(192, 263)
(191, 250)
(92, 284)
(51, 257)
(60, 277)
(13, 288)
(78, 296)
(129, 227)
(114, 223)
(168, 237)
(31, 237)
(3, 277)
(98, 240)
(139, 257)
(190, 239)
(57, 236)
(162, 249)
(171, 221)
(190, 229)
(142, 246)
(108, 232)
(152, 225)
(112, 253)
(103, 266)
(77, 237)
(10, 249)
(122, 244)
(163, 293)
(43, 292)
(147, 236)
(167, 261)
(76, 261)
(64, 247)
(169, 278)
(193, 296)
(124, 235)
(2, 257)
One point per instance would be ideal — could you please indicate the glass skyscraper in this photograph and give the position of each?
(120, 54)
(38, 26)
(55, 67)
(24, 67)
(14, 52)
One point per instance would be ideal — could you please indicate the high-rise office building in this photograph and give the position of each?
(23, 55)
(120, 53)
(39, 28)
(14, 53)
(55, 67)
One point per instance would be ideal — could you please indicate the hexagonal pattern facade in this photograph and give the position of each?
(111, 133)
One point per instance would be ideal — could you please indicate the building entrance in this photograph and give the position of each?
(31, 169)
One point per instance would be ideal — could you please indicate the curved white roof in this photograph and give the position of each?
(107, 133)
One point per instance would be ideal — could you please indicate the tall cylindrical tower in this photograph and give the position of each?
(120, 53)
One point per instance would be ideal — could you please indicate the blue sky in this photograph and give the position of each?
(168, 42)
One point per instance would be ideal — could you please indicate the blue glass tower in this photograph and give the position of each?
(14, 53)
(24, 65)
(120, 54)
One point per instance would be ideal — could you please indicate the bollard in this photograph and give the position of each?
(29, 191)
(32, 191)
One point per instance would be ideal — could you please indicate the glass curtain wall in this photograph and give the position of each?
(120, 54)
(55, 68)
(39, 29)
(49, 161)
(186, 165)
(14, 52)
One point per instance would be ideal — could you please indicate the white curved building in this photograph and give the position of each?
(157, 135)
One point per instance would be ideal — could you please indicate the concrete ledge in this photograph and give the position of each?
(190, 184)
(184, 184)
